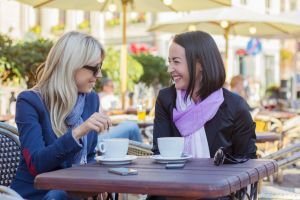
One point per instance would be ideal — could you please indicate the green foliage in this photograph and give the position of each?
(155, 70)
(28, 56)
(7, 70)
(84, 25)
(113, 22)
(58, 29)
(36, 29)
(111, 68)
(20, 60)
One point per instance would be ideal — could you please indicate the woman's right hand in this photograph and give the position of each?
(98, 122)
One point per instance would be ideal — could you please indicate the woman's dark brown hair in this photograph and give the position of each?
(200, 47)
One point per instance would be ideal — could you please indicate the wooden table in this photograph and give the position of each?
(200, 178)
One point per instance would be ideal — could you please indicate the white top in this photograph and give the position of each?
(108, 101)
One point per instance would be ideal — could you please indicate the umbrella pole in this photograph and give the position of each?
(123, 67)
(226, 36)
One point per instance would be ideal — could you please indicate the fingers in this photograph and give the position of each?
(97, 125)
(101, 120)
(106, 118)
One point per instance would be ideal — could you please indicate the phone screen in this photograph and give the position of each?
(123, 171)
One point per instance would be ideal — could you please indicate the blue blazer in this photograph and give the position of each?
(42, 151)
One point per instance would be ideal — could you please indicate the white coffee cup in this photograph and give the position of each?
(171, 146)
(114, 148)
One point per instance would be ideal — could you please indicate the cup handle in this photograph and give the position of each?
(101, 147)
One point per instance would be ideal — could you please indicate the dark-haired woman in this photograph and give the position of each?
(197, 108)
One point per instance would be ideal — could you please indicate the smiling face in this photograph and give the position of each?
(178, 67)
(85, 79)
(179, 70)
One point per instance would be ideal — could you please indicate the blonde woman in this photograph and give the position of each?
(58, 119)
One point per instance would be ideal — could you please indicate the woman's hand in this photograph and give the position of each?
(98, 122)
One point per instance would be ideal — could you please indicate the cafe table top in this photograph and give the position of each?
(199, 178)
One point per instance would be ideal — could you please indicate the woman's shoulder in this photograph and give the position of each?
(30, 99)
(233, 97)
(167, 92)
(29, 95)
(234, 100)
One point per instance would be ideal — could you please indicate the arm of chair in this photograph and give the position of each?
(284, 151)
(9, 194)
(289, 160)
(10, 128)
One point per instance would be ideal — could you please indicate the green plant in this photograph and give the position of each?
(285, 54)
(27, 56)
(7, 70)
(113, 22)
(111, 68)
(85, 25)
(36, 29)
(141, 18)
(155, 70)
(57, 29)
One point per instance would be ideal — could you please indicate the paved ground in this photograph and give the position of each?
(289, 188)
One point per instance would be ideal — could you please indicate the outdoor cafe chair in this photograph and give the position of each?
(9, 127)
(285, 157)
(10, 151)
(139, 149)
(7, 193)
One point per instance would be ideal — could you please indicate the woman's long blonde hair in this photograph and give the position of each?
(57, 82)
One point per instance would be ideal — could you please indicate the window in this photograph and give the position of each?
(282, 5)
(38, 16)
(268, 6)
(87, 16)
(269, 69)
(62, 16)
(243, 2)
(293, 5)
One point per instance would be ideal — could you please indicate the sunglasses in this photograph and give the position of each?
(95, 69)
(221, 157)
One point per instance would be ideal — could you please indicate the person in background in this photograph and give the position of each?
(12, 103)
(237, 86)
(108, 102)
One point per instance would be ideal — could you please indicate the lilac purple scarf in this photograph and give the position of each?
(192, 118)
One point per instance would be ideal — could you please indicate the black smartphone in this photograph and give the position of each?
(123, 171)
(175, 165)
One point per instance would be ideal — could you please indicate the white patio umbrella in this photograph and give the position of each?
(292, 16)
(128, 5)
(230, 21)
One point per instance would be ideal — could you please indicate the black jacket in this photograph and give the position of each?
(232, 126)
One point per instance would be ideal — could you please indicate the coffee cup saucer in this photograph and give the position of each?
(115, 161)
(164, 160)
